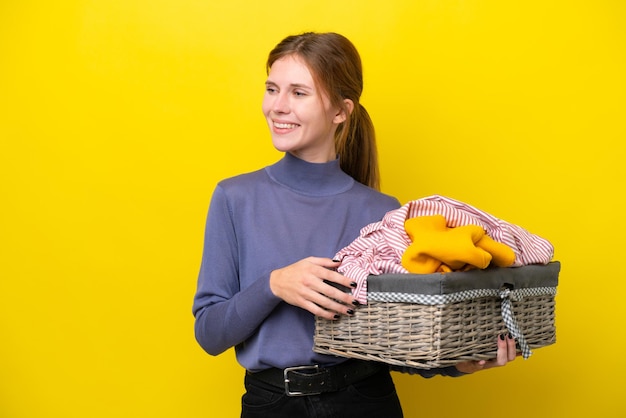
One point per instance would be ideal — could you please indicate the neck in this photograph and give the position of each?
(310, 178)
(316, 157)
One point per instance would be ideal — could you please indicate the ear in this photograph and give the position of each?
(342, 115)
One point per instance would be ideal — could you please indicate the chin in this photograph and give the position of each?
(282, 146)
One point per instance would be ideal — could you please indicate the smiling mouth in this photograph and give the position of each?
(285, 125)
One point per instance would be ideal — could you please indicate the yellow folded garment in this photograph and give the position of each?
(437, 248)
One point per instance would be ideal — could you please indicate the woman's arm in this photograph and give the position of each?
(225, 314)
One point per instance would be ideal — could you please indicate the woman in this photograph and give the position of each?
(267, 269)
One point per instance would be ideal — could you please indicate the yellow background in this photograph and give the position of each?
(117, 118)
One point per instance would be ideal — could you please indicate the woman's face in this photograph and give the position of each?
(299, 114)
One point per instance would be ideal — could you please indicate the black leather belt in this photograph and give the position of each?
(313, 380)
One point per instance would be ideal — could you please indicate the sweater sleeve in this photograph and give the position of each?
(225, 314)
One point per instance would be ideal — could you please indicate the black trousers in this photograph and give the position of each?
(372, 397)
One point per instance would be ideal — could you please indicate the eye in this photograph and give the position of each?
(299, 93)
(271, 88)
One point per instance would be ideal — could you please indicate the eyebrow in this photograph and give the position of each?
(292, 85)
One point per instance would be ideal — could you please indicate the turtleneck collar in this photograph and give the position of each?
(312, 179)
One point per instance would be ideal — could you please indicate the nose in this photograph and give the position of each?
(281, 103)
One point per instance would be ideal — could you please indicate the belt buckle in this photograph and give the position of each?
(287, 381)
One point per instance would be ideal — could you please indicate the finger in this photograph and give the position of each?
(340, 296)
(331, 304)
(502, 355)
(324, 262)
(342, 282)
(336, 286)
(321, 312)
(511, 348)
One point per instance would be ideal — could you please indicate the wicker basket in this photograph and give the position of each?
(437, 320)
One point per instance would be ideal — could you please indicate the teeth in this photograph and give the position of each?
(285, 125)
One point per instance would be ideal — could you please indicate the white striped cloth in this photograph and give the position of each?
(380, 245)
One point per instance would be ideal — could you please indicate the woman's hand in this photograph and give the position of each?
(302, 284)
(506, 352)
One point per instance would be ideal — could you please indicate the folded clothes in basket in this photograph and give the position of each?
(381, 245)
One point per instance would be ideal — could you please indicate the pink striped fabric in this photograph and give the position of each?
(380, 245)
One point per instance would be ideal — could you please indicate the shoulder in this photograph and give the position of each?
(375, 197)
(371, 205)
(242, 183)
(242, 180)
(235, 191)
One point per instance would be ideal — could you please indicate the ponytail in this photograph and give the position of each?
(356, 146)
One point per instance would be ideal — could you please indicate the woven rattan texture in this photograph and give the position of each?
(429, 336)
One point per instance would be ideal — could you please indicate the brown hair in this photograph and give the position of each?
(336, 66)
